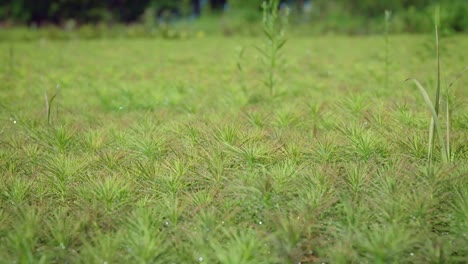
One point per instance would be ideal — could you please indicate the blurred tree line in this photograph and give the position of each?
(89, 11)
(338, 12)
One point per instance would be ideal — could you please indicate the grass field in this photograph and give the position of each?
(165, 151)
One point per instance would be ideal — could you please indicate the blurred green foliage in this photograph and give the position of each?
(325, 16)
(367, 16)
(81, 10)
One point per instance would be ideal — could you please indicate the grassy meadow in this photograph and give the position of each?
(174, 151)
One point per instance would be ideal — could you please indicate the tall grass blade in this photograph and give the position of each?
(458, 76)
(47, 106)
(48, 103)
(435, 120)
(437, 98)
(437, 101)
(430, 145)
(447, 132)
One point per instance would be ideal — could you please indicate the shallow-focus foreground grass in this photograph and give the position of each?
(152, 152)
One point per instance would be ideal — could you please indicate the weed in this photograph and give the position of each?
(48, 103)
(435, 128)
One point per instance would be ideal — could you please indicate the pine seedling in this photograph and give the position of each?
(144, 239)
(17, 191)
(242, 246)
(24, 238)
(274, 25)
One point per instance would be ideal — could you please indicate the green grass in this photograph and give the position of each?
(153, 152)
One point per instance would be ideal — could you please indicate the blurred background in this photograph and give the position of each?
(185, 18)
